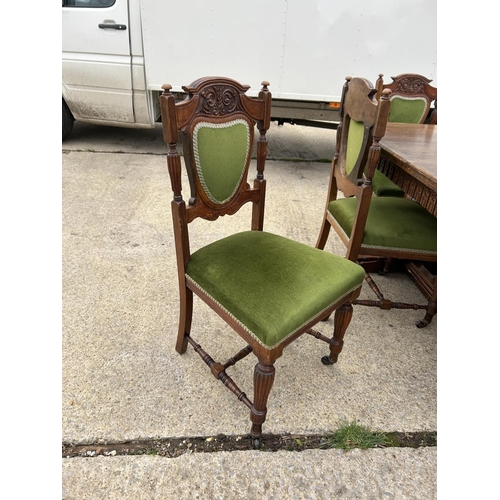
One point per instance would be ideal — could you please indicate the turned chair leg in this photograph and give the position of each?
(186, 315)
(341, 321)
(263, 379)
(387, 266)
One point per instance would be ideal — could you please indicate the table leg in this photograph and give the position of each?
(427, 284)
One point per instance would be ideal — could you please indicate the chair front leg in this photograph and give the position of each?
(341, 321)
(263, 379)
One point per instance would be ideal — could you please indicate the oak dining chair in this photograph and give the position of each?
(371, 226)
(412, 96)
(269, 289)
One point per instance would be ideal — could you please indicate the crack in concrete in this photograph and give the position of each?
(175, 447)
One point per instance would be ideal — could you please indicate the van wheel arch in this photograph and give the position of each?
(67, 120)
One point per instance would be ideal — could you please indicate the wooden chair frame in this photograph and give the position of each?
(217, 100)
(411, 85)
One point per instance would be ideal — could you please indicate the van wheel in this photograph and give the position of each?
(67, 121)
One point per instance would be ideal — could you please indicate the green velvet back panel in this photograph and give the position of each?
(354, 143)
(407, 109)
(220, 153)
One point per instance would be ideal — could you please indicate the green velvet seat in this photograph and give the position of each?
(392, 223)
(270, 284)
(383, 186)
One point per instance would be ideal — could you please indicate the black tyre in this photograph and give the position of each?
(67, 121)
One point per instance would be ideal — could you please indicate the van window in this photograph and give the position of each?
(88, 3)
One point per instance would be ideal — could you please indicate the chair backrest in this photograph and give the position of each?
(411, 96)
(363, 120)
(216, 122)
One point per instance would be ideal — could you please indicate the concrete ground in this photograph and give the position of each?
(122, 379)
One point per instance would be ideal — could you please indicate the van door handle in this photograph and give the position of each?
(113, 26)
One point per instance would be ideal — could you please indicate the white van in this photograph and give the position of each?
(116, 54)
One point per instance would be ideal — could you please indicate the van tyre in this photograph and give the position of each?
(67, 121)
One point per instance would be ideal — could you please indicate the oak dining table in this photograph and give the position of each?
(409, 159)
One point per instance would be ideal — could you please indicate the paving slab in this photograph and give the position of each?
(396, 473)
